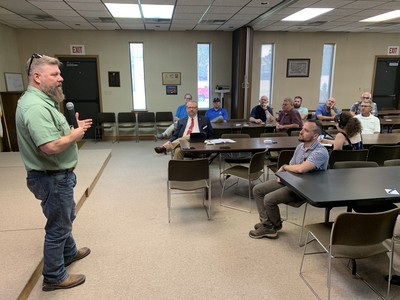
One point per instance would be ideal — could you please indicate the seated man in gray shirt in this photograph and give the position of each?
(309, 156)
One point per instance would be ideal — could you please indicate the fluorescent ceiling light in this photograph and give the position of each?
(151, 11)
(307, 14)
(124, 10)
(383, 17)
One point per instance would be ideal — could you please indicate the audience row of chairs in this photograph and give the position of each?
(131, 124)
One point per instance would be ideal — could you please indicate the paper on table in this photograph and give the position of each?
(392, 191)
(219, 141)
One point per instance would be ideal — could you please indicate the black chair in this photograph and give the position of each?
(272, 156)
(126, 123)
(234, 157)
(346, 155)
(146, 124)
(105, 123)
(380, 153)
(164, 119)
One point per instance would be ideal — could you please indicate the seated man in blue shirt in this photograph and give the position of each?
(262, 112)
(179, 114)
(217, 114)
(327, 111)
(309, 156)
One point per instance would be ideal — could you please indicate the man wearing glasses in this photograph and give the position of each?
(370, 124)
(179, 114)
(356, 109)
(193, 123)
(48, 149)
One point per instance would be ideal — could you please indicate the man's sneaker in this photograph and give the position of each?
(258, 225)
(82, 253)
(159, 136)
(71, 281)
(267, 231)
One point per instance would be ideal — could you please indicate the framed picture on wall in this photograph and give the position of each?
(171, 90)
(298, 67)
(171, 78)
(14, 82)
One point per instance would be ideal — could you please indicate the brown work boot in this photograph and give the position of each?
(71, 281)
(82, 253)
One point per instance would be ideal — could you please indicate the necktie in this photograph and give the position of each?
(190, 127)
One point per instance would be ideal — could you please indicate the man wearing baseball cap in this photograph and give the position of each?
(217, 114)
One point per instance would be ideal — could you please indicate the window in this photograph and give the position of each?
(203, 75)
(266, 70)
(137, 76)
(328, 61)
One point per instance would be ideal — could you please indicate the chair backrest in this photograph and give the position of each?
(105, 117)
(380, 153)
(146, 117)
(354, 164)
(257, 162)
(234, 135)
(252, 131)
(391, 162)
(294, 131)
(272, 134)
(126, 117)
(345, 155)
(357, 229)
(188, 170)
(164, 116)
(284, 157)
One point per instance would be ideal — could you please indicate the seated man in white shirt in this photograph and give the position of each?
(370, 124)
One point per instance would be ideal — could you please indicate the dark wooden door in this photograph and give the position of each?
(81, 87)
(386, 88)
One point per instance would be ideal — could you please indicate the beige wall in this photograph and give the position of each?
(176, 52)
(9, 58)
(163, 52)
(354, 64)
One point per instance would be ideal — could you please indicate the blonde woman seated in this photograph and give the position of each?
(349, 135)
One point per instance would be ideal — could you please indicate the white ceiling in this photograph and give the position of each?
(226, 15)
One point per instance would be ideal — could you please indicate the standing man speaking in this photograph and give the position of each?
(48, 149)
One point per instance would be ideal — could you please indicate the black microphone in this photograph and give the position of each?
(71, 113)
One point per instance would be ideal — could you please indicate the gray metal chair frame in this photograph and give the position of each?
(104, 121)
(253, 172)
(353, 236)
(234, 157)
(186, 176)
(126, 121)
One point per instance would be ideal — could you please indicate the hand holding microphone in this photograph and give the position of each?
(71, 113)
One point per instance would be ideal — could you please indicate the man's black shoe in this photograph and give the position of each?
(395, 279)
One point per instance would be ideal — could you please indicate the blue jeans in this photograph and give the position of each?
(57, 196)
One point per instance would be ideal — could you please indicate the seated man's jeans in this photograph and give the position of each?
(56, 193)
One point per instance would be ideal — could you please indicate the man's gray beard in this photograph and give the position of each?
(55, 93)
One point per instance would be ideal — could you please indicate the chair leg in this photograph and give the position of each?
(302, 224)
(169, 204)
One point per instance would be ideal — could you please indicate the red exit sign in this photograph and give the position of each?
(77, 49)
(393, 50)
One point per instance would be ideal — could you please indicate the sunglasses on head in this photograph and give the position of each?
(34, 55)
